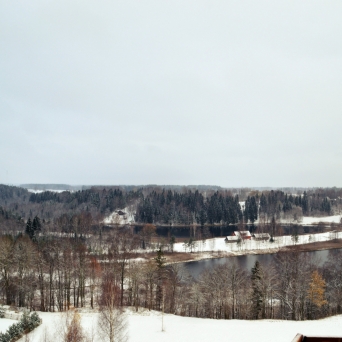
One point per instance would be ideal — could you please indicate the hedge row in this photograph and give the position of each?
(26, 324)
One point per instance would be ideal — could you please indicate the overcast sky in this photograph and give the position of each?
(231, 93)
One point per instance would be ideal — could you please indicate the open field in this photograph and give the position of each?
(146, 326)
(5, 323)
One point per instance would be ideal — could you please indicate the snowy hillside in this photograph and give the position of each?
(146, 327)
(5, 323)
(51, 190)
(123, 216)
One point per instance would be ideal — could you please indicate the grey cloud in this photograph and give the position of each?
(227, 92)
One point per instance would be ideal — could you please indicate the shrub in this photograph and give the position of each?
(2, 313)
(5, 337)
(15, 331)
(26, 324)
(34, 321)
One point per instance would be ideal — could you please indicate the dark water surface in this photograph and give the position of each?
(247, 261)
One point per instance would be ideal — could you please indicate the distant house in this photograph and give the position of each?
(261, 236)
(243, 234)
(231, 239)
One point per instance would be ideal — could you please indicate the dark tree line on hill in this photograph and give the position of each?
(161, 206)
(103, 200)
(10, 222)
(50, 205)
(273, 203)
(221, 207)
(169, 207)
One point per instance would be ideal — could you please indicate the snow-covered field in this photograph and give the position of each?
(146, 327)
(219, 245)
(310, 220)
(307, 220)
(5, 323)
(51, 190)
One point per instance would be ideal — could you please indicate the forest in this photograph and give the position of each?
(49, 273)
(162, 206)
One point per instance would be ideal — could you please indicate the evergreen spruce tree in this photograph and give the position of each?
(33, 227)
(257, 292)
(15, 331)
(253, 210)
(160, 261)
(273, 226)
(5, 337)
(29, 229)
(36, 225)
(2, 312)
(203, 216)
(172, 242)
(34, 321)
(294, 233)
(246, 211)
(25, 321)
(305, 203)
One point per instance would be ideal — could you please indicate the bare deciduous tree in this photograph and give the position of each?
(69, 327)
(112, 321)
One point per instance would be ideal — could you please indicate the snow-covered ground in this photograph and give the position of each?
(147, 327)
(5, 323)
(219, 245)
(116, 218)
(51, 190)
(307, 220)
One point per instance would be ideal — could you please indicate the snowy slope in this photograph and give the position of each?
(51, 190)
(5, 323)
(115, 218)
(146, 327)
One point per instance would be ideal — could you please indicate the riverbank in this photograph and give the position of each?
(315, 246)
(114, 220)
(305, 243)
(217, 248)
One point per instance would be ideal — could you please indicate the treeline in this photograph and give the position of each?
(221, 207)
(274, 203)
(176, 206)
(104, 200)
(50, 205)
(49, 273)
(10, 222)
(169, 207)
(293, 287)
(53, 274)
(12, 195)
